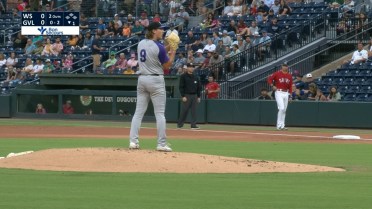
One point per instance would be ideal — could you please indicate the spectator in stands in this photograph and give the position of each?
(156, 18)
(264, 45)
(342, 27)
(226, 39)
(190, 40)
(144, 20)
(204, 38)
(40, 109)
(253, 8)
(359, 56)
(243, 29)
(88, 40)
(220, 48)
(116, 31)
(181, 70)
(348, 6)
(320, 96)
(275, 7)
(210, 46)
(132, 62)
(247, 43)
(12, 60)
(110, 27)
(30, 47)
(241, 44)
(21, 5)
(101, 25)
(233, 63)
(215, 38)
(264, 95)
(263, 9)
(237, 8)
(84, 24)
(334, 95)
(212, 22)
(232, 29)
(171, 29)
(73, 40)
(197, 45)
(216, 59)
(178, 63)
(39, 48)
(109, 65)
(67, 108)
(80, 43)
(38, 67)
(96, 52)
(269, 3)
(308, 81)
(164, 8)
(121, 64)
(48, 49)
(284, 8)
(227, 52)
(253, 28)
(298, 81)
(212, 89)
(182, 19)
(172, 15)
(126, 30)
(129, 71)
(48, 67)
(312, 92)
(131, 20)
(199, 59)
(137, 29)
(20, 41)
(48, 8)
(57, 46)
(256, 39)
(68, 62)
(274, 28)
(297, 94)
(190, 56)
(28, 67)
(229, 9)
(11, 75)
(117, 20)
(75, 5)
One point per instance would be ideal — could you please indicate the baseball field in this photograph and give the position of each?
(36, 181)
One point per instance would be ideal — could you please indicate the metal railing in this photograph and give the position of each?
(305, 63)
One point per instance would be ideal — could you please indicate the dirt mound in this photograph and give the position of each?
(124, 160)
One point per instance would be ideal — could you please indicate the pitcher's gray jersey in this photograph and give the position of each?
(151, 56)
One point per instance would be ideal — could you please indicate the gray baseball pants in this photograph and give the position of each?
(150, 87)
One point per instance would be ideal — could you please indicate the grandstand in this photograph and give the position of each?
(309, 31)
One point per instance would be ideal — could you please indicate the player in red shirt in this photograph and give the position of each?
(281, 83)
(212, 88)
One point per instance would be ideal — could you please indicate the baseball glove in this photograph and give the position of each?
(172, 40)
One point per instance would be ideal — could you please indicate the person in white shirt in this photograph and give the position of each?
(269, 3)
(229, 9)
(38, 68)
(210, 47)
(12, 60)
(360, 55)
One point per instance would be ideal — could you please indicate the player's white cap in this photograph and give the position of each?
(199, 51)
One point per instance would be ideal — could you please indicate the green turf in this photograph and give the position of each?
(42, 189)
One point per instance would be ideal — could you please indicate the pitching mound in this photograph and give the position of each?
(124, 160)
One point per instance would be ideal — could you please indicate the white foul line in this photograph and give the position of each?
(267, 134)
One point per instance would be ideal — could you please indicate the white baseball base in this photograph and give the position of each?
(346, 137)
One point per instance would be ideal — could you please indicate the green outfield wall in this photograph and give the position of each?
(109, 104)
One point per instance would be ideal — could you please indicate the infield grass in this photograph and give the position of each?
(26, 189)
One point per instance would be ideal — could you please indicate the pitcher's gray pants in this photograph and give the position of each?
(191, 102)
(150, 87)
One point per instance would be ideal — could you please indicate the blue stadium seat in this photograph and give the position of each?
(365, 89)
(348, 81)
(352, 89)
(362, 97)
(349, 97)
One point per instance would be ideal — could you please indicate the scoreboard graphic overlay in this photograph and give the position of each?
(50, 23)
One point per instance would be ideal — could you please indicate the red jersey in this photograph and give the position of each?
(281, 80)
(212, 86)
